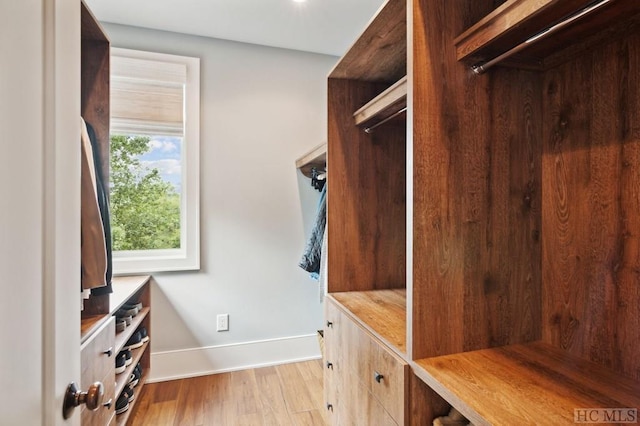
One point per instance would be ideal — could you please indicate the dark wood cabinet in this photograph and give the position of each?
(503, 202)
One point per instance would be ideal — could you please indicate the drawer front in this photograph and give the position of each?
(333, 330)
(332, 363)
(365, 383)
(98, 366)
(361, 407)
(390, 381)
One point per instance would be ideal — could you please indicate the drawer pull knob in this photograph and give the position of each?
(74, 397)
(108, 352)
(330, 407)
(329, 324)
(378, 376)
(330, 365)
(108, 404)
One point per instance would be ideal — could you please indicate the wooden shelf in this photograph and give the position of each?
(316, 158)
(532, 383)
(122, 378)
(384, 105)
(122, 419)
(515, 21)
(382, 312)
(122, 337)
(380, 53)
(124, 288)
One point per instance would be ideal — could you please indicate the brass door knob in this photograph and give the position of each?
(74, 397)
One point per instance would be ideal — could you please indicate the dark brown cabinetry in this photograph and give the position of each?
(504, 204)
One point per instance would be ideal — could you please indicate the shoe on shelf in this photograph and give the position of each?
(121, 325)
(126, 318)
(121, 363)
(134, 342)
(143, 334)
(128, 390)
(134, 379)
(137, 306)
(124, 312)
(122, 404)
(126, 353)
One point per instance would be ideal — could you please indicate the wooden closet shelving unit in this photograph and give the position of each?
(99, 342)
(503, 207)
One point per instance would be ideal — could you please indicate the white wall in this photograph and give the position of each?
(261, 108)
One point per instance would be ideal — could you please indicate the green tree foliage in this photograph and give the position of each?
(145, 209)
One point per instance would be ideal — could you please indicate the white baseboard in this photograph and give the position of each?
(185, 363)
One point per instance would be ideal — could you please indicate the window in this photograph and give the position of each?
(154, 164)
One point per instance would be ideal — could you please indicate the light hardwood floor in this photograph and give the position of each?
(283, 395)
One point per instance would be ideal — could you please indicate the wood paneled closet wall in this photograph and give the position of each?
(489, 237)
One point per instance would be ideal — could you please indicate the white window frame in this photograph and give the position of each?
(187, 257)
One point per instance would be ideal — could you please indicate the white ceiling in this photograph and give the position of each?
(322, 26)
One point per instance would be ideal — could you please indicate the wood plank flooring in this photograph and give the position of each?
(283, 395)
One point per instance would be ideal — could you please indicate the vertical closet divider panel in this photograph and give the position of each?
(367, 377)
(95, 56)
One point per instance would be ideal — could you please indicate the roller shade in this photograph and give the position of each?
(147, 97)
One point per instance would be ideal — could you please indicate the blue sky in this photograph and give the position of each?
(165, 154)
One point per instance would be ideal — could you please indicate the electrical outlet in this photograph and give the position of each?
(223, 322)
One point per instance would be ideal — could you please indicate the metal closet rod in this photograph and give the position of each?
(482, 67)
(381, 122)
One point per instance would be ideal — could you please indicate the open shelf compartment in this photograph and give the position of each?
(532, 383)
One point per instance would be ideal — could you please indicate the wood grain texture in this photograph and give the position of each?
(476, 193)
(591, 212)
(382, 312)
(355, 355)
(425, 404)
(384, 105)
(516, 21)
(258, 397)
(98, 366)
(94, 83)
(510, 24)
(525, 384)
(366, 199)
(380, 53)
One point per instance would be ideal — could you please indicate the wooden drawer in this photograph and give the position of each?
(333, 331)
(362, 408)
(366, 383)
(391, 389)
(379, 370)
(98, 366)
